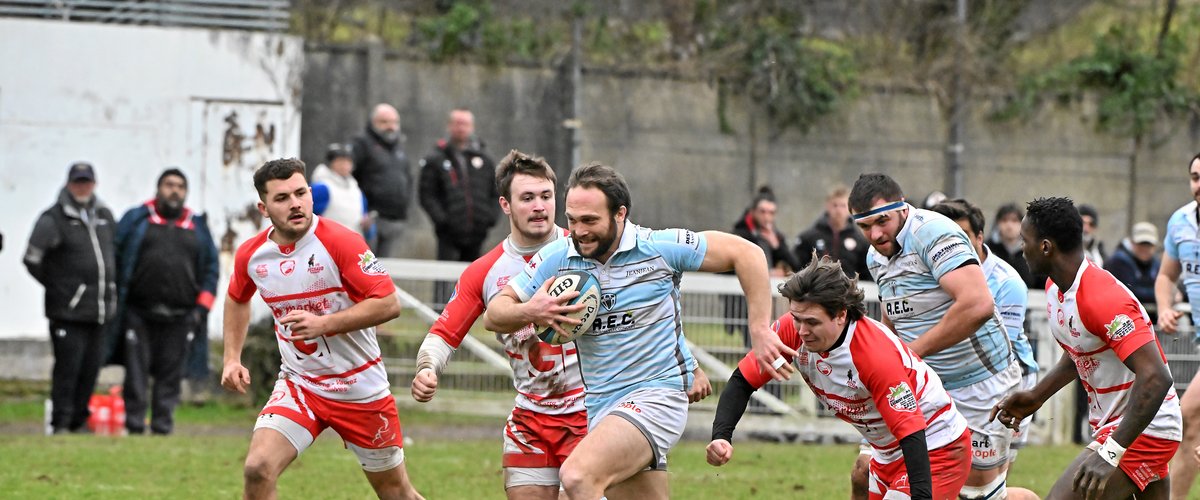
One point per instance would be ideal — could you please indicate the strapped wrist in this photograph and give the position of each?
(1111, 452)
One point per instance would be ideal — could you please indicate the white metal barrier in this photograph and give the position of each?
(714, 322)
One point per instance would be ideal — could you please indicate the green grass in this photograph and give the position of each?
(203, 460)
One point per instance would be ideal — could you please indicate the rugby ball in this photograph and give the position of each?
(589, 294)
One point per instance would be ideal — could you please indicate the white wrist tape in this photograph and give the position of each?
(1111, 452)
(434, 354)
(778, 363)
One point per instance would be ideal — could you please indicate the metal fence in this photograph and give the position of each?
(479, 381)
(264, 15)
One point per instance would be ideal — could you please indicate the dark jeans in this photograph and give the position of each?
(78, 354)
(456, 252)
(154, 348)
(197, 368)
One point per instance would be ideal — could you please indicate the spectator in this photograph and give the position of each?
(1093, 248)
(1135, 264)
(71, 254)
(835, 235)
(1005, 242)
(458, 190)
(758, 225)
(166, 282)
(382, 171)
(336, 195)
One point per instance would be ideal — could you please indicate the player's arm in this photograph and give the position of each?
(447, 333)
(506, 312)
(746, 379)
(726, 251)
(234, 376)
(1164, 293)
(1151, 382)
(372, 311)
(1019, 405)
(972, 306)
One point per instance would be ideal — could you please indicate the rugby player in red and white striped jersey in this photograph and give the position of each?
(859, 369)
(327, 293)
(1110, 347)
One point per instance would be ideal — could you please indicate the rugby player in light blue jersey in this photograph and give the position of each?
(935, 297)
(1181, 260)
(1012, 300)
(635, 363)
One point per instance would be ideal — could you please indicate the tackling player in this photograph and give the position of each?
(327, 292)
(1110, 346)
(634, 361)
(935, 297)
(861, 371)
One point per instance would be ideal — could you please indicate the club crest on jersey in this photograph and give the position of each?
(901, 398)
(370, 265)
(286, 267)
(261, 270)
(1119, 327)
(608, 300)
(823, 367)
(314, 267)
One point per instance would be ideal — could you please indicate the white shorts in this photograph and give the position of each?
(989, 439)
(1020, 437)
(659, 413)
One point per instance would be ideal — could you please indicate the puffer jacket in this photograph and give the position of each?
(71, 253)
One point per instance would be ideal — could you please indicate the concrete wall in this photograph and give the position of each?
(134, 100)
(663, 135)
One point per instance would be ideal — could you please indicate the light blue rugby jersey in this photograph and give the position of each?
(931, 246)
(1012, 300)
(1183, 244)
(637, 338)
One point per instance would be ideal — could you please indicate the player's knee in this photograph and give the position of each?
(258, 470)
(996, 489)
(1021, 494)
(576, 481)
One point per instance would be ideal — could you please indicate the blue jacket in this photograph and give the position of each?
(1137, 275)
(132, 229)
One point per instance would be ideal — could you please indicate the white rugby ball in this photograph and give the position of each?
(589, 294)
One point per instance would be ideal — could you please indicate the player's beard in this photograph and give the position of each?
(603, 243)
(287, 230)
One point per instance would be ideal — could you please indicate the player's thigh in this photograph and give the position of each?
(532, 492)
(1118, 486)
(391, 483)
(270, 453)
(647, 484)
(1158, 490)
(613, 451)
(1189, 405)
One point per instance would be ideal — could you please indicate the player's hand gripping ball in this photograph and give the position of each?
(589, 295)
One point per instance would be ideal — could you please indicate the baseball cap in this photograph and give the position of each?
(1144, 232)
(81, 171)
(338, 150)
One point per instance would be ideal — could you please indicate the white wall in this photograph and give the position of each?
(134, 100)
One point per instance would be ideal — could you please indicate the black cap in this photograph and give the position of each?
(338, 150)
(1089, 211)
(81, 171)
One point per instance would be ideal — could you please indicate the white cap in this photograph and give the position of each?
(1144, 232)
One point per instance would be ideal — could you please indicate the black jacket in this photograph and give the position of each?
(848, 247)
(1137, 275)
(382, 171)
(461, 200)
(746, 228)
(71, 253)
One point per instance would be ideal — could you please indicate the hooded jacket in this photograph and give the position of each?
(71, 253)
(461, 200)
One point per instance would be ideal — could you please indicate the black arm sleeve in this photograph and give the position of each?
(731, 406)
(916, 461)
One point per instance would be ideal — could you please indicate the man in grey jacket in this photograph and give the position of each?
(71, 254)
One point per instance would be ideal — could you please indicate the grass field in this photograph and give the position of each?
(450, 457)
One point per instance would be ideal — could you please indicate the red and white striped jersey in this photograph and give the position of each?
(1099, 323)
(546, 376)
(872, 381)
(327, 270)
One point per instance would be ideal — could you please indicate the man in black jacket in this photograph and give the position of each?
(836, 236)
(458, 190)
(382, 171)
(71, 254)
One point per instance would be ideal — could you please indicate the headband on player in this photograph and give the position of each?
(895, 205)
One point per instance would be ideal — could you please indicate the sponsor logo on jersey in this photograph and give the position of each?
(1086, 366)
(946, 251)
(318, 306)
(370, 265)
(1119, 327)
(898, 308)
(630, 405)
(501, 281)
(616, 322)
(844, 408)
(850, 380)
(286, 267)
(689, 238)
(901, 398)
(1071, 327)
(261, 270)
(640, 270)
(608, 300)
(314, 267)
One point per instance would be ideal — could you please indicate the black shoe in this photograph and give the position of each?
(61, 430)
(135, 432)
(82, 430)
